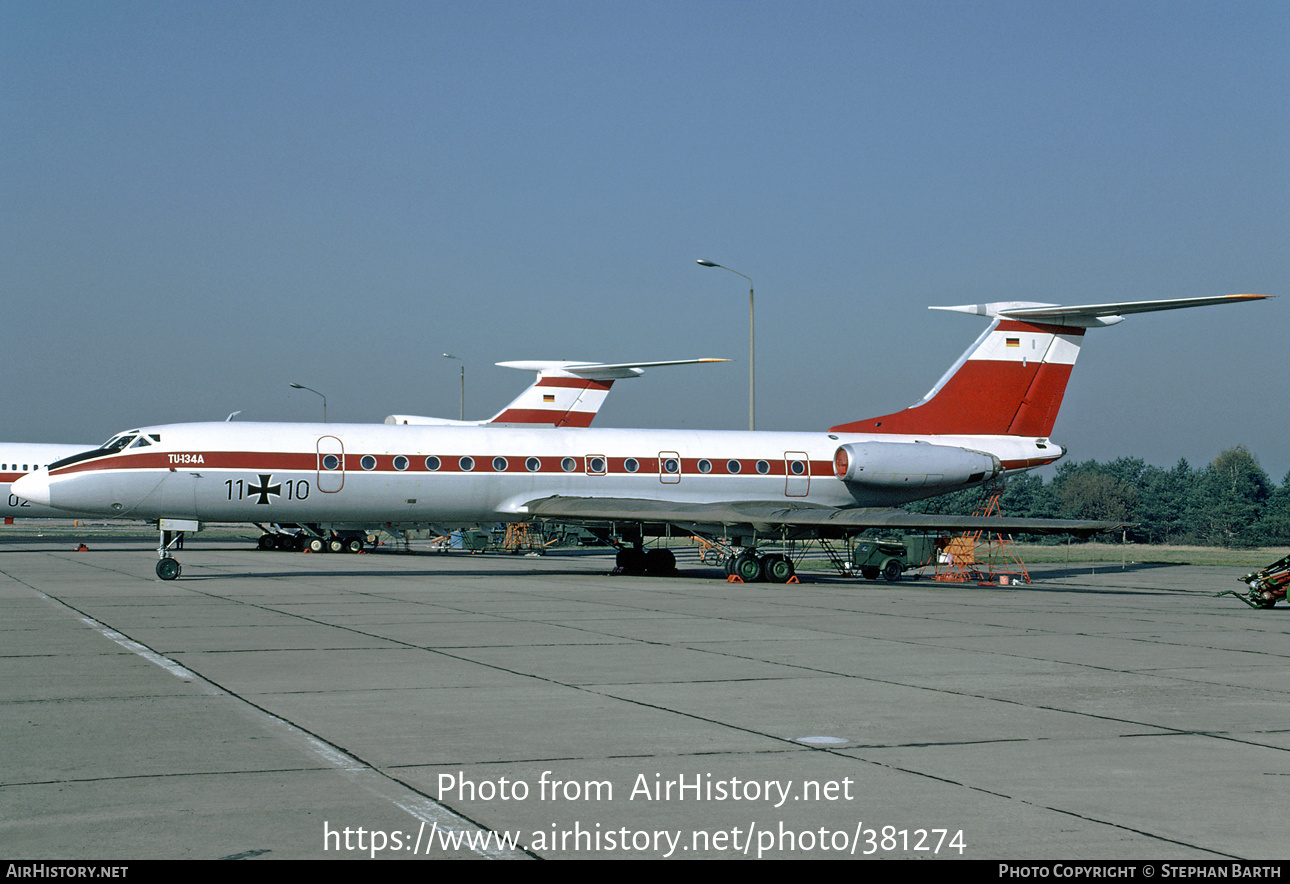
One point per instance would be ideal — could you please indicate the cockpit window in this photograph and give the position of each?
(118, 443)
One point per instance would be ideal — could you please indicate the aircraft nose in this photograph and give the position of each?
(33, 487)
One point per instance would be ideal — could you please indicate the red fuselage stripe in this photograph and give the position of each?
(269, 461)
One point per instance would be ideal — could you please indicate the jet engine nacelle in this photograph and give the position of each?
(912, 465)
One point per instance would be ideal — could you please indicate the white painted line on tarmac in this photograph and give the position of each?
(358, 771)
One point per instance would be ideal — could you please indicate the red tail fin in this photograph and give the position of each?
(1009, 384)
(1011, 381)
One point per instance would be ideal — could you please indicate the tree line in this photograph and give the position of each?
(1231, 502)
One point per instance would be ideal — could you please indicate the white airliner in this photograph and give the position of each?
(989, 416)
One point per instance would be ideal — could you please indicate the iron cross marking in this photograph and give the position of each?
(264, 489)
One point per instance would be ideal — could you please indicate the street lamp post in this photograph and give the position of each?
(752, 397)
(315, 392)
(462, 415)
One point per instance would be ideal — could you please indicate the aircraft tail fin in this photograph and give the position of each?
(557, 397)
(1011, 381)
(564, 394)
(569, 394)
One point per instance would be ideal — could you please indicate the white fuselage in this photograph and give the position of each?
(364, 474)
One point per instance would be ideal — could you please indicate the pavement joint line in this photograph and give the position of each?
(353, 767)
(416, 804)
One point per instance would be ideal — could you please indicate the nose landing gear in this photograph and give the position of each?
(172, 538)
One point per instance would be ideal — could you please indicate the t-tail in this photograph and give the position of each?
(1010, 382)
(564, 394)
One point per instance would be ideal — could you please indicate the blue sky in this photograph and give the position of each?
(205, 202)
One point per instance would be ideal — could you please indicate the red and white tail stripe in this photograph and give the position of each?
(556, 400)
(1011, 381)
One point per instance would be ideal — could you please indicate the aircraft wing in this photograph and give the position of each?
(773, 515)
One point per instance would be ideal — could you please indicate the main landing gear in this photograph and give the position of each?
(743, 563)
(634, 558)
(656, 562)
(750, 567)
(313, 539)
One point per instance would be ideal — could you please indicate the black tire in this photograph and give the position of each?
(316, 545)
(354, 545)
(334, 545)
(660, 561)
(266, 541)
(631, 561)
(747, 567)
(869, 572)
(777, 568)
(168, 569)
(891, 570)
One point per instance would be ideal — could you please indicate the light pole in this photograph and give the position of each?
(752, 397)
(315, 392)
(462, 415)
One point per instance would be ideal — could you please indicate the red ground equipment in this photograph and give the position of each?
(1267, 585)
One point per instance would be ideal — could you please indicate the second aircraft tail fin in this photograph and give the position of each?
(564, 394)
(569, 394)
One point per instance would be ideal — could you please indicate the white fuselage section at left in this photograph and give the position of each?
(17, 459)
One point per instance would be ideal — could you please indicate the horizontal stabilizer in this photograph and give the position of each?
(600, 371)
(1088, 315)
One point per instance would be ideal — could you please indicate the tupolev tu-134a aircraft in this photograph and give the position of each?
(988, 417)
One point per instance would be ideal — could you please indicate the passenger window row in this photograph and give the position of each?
(594, 464)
